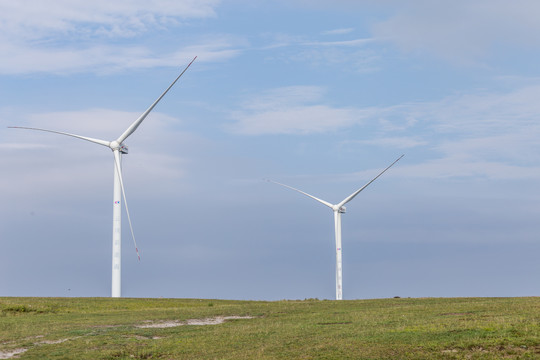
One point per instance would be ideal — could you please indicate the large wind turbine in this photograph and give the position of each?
(339, 209)
(118, 148)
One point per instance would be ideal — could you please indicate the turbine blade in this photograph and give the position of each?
(350, 197)
(138, 122)
(301, 192)
(119, 170)
(96, 141)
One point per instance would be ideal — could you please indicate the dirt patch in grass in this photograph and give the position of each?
(50, 342)
(8, 354)
(11, 353)
(457, 314)
(140, 337)
(173, 323)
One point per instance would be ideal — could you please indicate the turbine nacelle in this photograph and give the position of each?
(115, 145)
(340, 209)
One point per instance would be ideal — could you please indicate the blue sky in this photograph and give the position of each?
(320, 95)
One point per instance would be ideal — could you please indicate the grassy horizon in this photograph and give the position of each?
(404, 328)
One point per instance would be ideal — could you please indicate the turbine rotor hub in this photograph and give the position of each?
(115, 145)
(340, 209)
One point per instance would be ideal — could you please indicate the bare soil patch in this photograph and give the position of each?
(11, 353)
(173, 323)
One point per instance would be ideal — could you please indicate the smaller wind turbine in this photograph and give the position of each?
(118, 148)
(339, 209)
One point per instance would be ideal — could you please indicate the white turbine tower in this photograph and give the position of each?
(118, 148)
(339, 209)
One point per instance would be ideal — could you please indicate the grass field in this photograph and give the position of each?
(431, 328)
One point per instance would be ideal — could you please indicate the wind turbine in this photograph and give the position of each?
(339, 209)
(118, 148)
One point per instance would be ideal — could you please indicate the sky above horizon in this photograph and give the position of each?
(320, 95)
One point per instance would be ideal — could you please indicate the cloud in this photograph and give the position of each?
(349, 54)
(460, 31)
(294, 120)
(81, 36)
(338, 31)
(354, 42)
(106, 59)
(395, 142)
(36, 20)
(493, 135)
(344, 54)
(451, 167)
(291, 110)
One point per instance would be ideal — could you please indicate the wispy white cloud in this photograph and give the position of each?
(294, 120)
(107, 58)
(292, 110)
(284, 40)
(352, 59)
(286, 96)
(36, 20)
(81, 36)
(460, 31)
(355, 55)
(338, 31)
(354, 42)
(492, 134)
(454, 168)
(395, 142)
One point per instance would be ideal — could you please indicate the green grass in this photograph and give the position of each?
(432, 328)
